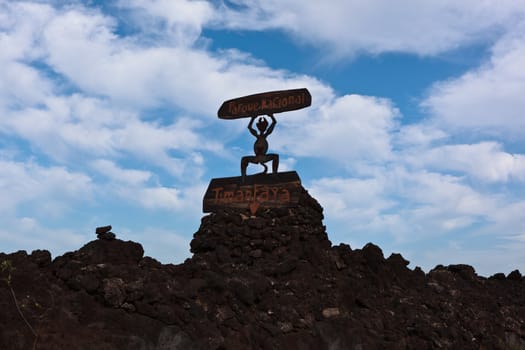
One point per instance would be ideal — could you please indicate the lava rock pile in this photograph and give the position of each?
(267, 281)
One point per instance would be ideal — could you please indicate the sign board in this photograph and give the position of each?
(265, 191)
(265, 103)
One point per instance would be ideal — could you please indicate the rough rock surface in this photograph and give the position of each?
(270, 281)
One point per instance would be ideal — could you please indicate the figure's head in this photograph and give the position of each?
(262, 124)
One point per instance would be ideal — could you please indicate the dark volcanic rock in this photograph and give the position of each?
(107, 235)
(41, 257)
(271, 281)
(102, 229)
(104, 232)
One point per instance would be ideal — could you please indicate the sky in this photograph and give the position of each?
(414, 140)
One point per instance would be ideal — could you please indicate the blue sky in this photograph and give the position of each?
(413, 140)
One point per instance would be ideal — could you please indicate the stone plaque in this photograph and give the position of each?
(256, 191)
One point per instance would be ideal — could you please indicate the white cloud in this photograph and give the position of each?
(488, 99)
(418, 212)
(20, 36)
(117, 174)
(359, 196)
(164, 245)
(399, 202)
(27, 233)
(439, 195)
(485, 161)
(111, 71)
(21, 85)
(347, 129)
(160, 198)
(507, 219)
(63, 127)
(19, 29)
(188, 199)
(486, 261)
(419, 135)
(287, 164)
(349, 27)
(182, 20)
(120, 76)
(83, 47)
(48, 190)
(181, 198)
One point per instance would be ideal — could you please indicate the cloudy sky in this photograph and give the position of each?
(414, 140)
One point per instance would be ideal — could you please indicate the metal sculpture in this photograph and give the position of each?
(259, 190)
(260, 147)
(266, 103)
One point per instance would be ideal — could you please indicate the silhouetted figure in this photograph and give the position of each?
(260, 147)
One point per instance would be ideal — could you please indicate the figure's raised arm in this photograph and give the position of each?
(270, 129)
(250, 126)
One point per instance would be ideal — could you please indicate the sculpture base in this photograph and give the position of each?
(256, 191)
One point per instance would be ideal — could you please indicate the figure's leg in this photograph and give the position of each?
(275, 162)
(244, 165)
(262, 160)
(265, 168)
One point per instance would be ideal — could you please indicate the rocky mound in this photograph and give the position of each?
(270, 281)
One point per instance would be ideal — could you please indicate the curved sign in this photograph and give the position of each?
(265, 103)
